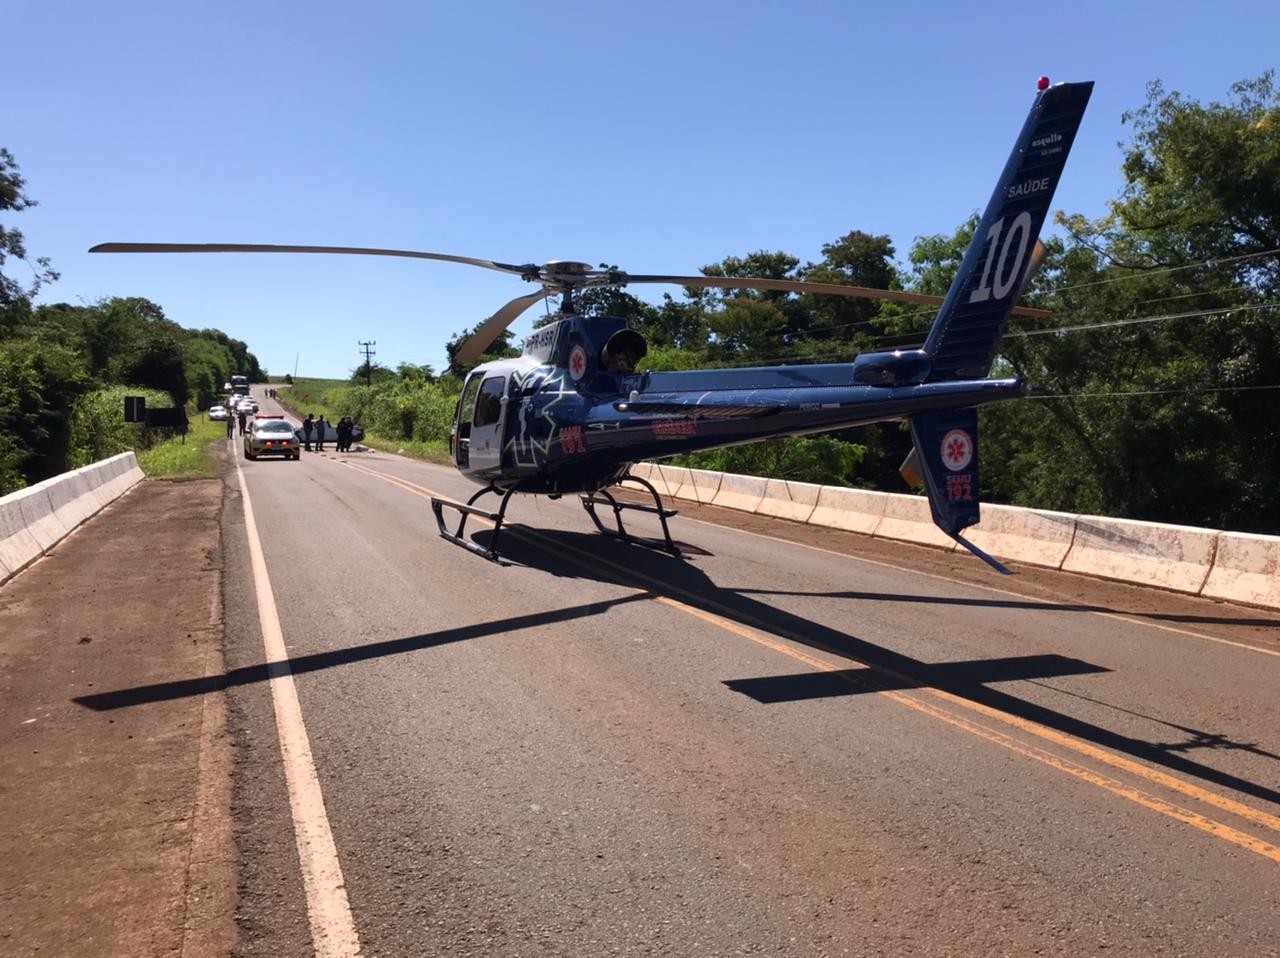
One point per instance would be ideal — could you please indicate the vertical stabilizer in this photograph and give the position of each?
(966, 334)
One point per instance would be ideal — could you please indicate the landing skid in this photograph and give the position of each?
(589, 502)
(468, 509)
(602, 497)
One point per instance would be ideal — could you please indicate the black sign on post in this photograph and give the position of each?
(175, 418)
(135, 408)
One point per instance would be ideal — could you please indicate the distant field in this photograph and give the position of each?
(313, 388)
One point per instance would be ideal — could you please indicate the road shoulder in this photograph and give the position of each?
(117, 837)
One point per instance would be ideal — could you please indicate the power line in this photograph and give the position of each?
(1157, 392)
(1160, 272)
(1135, 320)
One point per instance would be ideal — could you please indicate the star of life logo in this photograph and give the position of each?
(957, 450)
(577, 362)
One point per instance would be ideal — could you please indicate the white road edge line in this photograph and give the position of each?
(333, 929)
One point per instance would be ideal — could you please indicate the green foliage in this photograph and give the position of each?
(1161, 419)
(370, 372)
(59, 362)
(820, 459)
(398, 408)
(39, 385)
(502, 347)
(98, 429)
(13, 197)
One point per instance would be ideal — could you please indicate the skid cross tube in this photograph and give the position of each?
(469, 509)
(602, 496)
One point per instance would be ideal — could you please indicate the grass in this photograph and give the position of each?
(194, 459)
(437, 452)
(304, 391)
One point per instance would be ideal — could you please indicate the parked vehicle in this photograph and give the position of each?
(271, 436)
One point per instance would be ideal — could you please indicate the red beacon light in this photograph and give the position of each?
(1042, 84)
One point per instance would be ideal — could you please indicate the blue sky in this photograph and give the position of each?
(656, 136)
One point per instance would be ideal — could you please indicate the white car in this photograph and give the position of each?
(271, 436)
(218, 414)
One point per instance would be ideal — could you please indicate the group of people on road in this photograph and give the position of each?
(315, 430)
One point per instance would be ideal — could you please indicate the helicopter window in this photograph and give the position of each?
(467, 405)
(489, 402)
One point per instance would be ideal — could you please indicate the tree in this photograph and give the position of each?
(855, 259)
(1164, 409)
(13, 197)
(503, 347)
(412, 372)
(370, 372)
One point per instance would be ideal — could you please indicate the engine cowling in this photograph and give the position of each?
(902, 367)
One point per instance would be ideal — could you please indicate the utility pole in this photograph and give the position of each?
(368, 362)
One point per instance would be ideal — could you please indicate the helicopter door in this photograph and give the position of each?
(485, 446)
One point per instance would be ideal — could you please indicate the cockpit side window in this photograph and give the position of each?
(467, 405)
(489, 402)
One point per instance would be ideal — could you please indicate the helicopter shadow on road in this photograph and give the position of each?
(1046, 605)
(302, 664)
(591, 556)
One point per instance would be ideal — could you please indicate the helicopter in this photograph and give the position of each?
(571, 415)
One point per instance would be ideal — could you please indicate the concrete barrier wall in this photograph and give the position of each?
(35, 519)
(17, 545)
(1231, 566)
(856, 510)
(789, 500)
(699, 485)
(908, 519)
(743, 493)
(1171, 557)
(1246, 569)
(1033, 536)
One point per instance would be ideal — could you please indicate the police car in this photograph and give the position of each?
(271, 436)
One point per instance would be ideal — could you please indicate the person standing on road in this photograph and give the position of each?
(321, 426)
(306, 432)
(231, 427)
(344, 434)
(241, 417)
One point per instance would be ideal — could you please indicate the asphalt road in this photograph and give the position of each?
(764, 748)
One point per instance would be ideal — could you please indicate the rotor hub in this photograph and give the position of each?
(566, 276)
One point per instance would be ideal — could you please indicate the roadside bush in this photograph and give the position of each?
(405, 409)
(98, 429)
(819, 459)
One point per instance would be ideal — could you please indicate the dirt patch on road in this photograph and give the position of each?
(116, 835)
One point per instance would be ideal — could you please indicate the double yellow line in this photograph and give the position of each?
(948, 707)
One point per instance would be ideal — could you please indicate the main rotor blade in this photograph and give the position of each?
(796, 286)
(265, 248)
(492, 328)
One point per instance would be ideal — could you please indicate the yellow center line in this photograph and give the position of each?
(756, 634)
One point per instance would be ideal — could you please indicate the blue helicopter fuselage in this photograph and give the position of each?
(559, 421)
